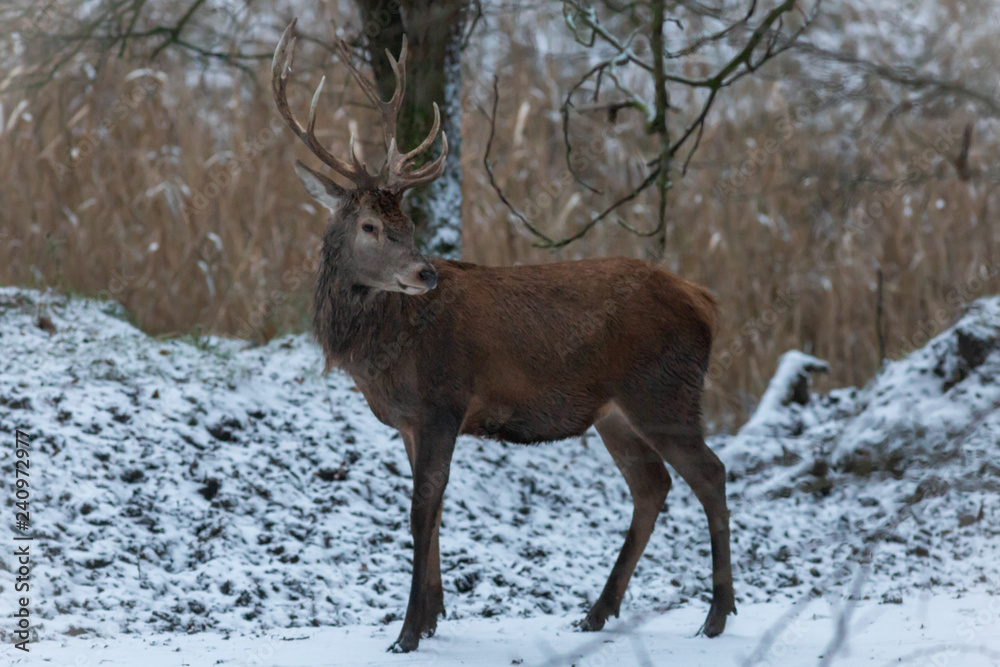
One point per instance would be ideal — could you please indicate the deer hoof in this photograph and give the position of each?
(723, 604)
(407, 642)
(593, 622)
(715, 622)
(714, 625)
(429, 628)
(598, 615)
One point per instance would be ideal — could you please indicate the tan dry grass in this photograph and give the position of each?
(150, 213)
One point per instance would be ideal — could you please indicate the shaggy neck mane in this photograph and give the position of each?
(351, 320)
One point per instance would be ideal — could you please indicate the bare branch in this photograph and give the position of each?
(905, 76)
(766, 41)
(175, 32)
(489, 171)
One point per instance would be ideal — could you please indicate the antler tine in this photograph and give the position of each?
(396, 163)
(399, 178)
(389, 111)
(280, 66)
(433, 169)
(426, 143)
(397, 173)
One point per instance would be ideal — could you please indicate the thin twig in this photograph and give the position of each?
(489, 168)
(588, 31)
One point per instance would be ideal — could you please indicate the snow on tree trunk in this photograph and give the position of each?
(440, 204)
(434, 32)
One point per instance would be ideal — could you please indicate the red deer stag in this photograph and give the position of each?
(522, 354)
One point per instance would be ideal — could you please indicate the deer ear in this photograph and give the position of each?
(323, 190)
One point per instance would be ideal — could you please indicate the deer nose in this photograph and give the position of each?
(428, 277)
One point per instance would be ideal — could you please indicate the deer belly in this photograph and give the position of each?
(544, 418)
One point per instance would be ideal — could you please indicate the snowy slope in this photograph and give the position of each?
(938, 406)
(185, 486)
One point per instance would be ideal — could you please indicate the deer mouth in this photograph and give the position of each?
(412, 290)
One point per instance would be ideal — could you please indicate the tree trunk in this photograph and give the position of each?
(434, 31)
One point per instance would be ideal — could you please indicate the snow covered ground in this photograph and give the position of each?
(930, 631)
(205, 501)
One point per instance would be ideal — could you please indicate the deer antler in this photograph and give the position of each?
(398, 174)
(280, 66)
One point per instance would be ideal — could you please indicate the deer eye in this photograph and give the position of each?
(368, 228)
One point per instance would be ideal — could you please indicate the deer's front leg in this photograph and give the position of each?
(434, 600)
(430, 451)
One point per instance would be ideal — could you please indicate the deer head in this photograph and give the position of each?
(376, 238)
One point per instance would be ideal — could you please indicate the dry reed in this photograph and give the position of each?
(177, 198)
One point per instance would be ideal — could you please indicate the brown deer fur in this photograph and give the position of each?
(529, 354)
(522, 354)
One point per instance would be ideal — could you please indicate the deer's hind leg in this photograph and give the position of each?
(648, 482)
(674, 430)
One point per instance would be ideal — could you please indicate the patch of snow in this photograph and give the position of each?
(212, 486)
(789, 387)
(921, 630)
(940, 402)
(443, 236)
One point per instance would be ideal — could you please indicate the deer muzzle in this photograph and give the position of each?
(421, 280)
